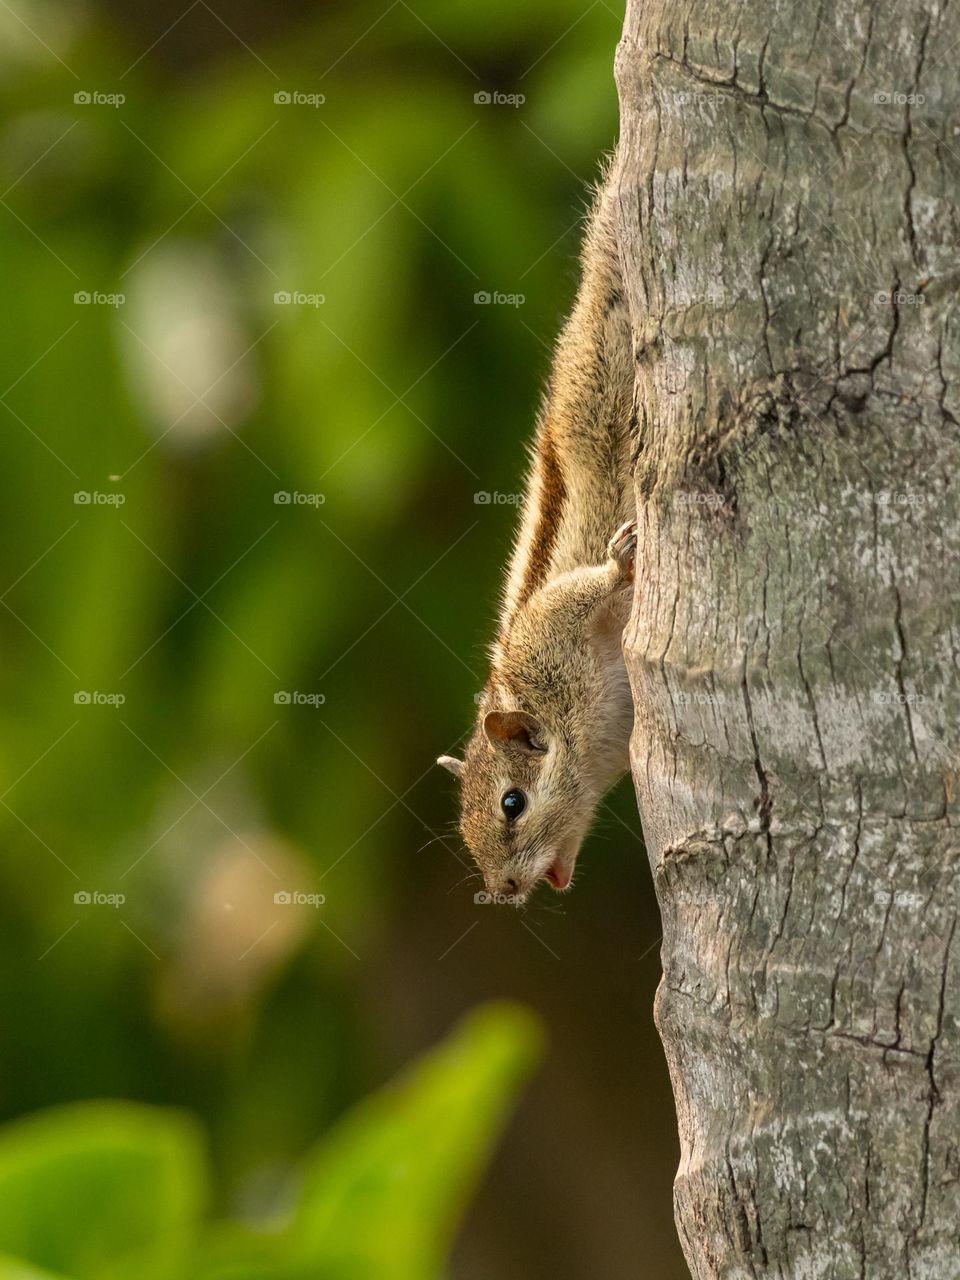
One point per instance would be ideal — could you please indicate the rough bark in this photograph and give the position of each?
(790, 243)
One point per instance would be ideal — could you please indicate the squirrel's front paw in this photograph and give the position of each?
(622, 548)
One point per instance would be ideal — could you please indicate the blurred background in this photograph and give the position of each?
(282, 283)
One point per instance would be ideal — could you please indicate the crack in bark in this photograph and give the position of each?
(901, 658)
(765, 801)
(907, 139)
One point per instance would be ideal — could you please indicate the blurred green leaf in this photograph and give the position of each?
(101, 1190)
(383, 1194)
(385, 1191)
(16, 1269)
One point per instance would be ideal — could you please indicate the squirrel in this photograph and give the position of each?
(555, 717)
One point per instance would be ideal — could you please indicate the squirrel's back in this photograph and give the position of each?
(577, 489)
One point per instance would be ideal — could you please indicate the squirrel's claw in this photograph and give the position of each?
(622, 548)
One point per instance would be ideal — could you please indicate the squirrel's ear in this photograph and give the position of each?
(514, 728)
(451, 763)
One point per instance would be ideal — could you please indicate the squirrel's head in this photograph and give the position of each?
(524, 806)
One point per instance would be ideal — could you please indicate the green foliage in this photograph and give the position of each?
(106, 1190)
(14, 1269)
(101, 1190)
(382, 1196)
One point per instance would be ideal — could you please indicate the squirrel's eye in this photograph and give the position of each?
(513, 803)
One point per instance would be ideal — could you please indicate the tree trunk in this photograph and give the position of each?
(789, 191)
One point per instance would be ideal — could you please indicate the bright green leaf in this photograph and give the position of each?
(101, 1190)
(385, 1192)
(17, 1269)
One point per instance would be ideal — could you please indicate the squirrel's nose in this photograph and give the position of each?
(510, 886)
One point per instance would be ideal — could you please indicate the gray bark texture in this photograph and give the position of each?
(790, 229)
